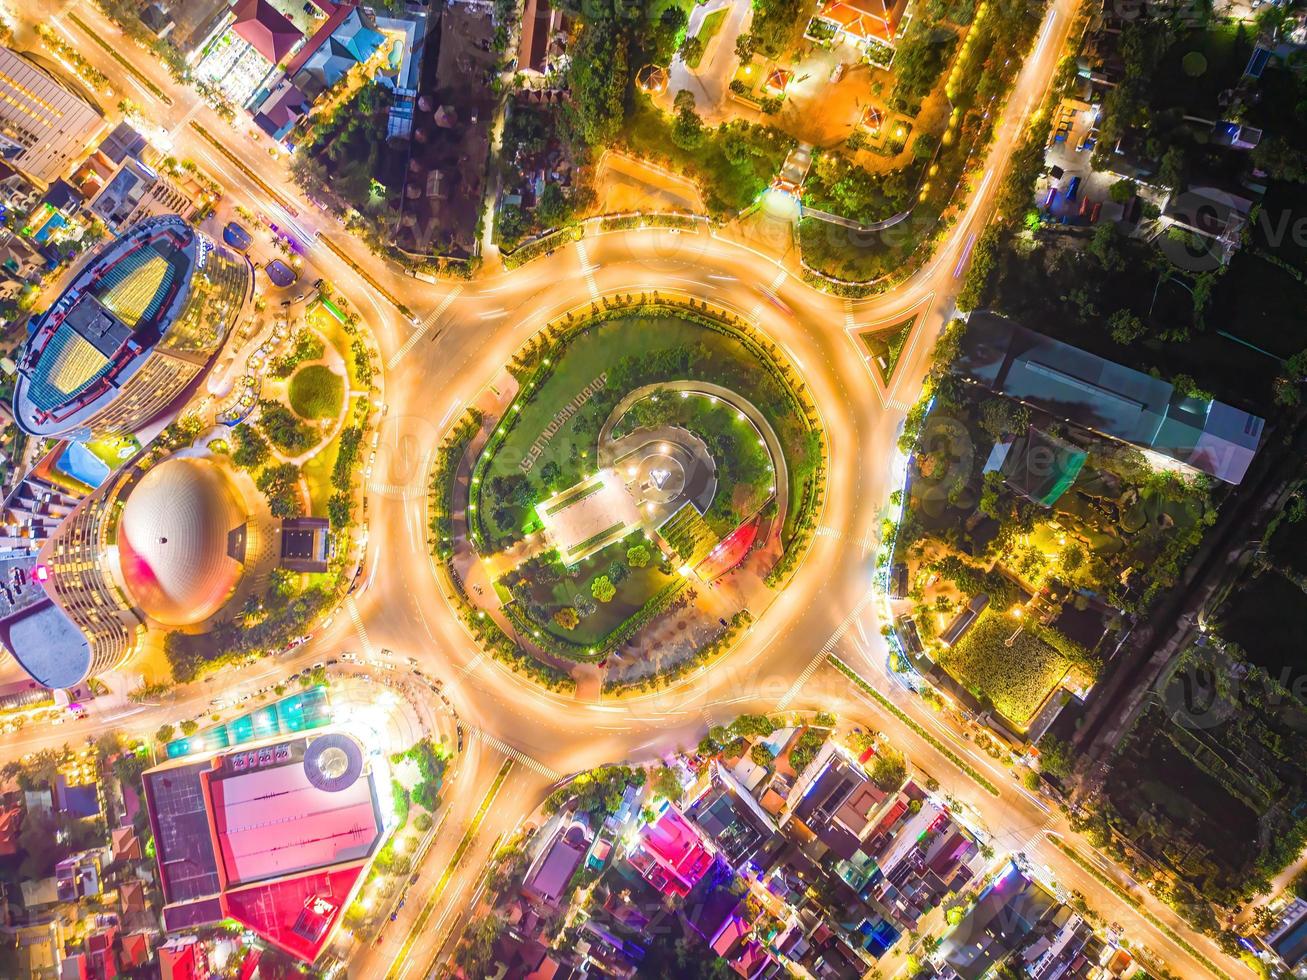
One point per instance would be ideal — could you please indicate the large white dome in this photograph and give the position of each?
(173, 541)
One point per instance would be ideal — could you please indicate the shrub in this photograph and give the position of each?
(316, 392)
(602, 588)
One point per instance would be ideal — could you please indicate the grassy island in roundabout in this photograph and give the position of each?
(653, 478)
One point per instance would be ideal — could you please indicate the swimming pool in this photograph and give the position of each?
(82, 465)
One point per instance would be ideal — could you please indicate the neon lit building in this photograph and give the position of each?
(286, 872)
(142, 320)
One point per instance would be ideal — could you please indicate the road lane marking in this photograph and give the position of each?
(822, 654)
(400, 965)
(516, 755)
(423, 327)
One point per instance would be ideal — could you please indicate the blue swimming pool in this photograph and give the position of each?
(82, 465)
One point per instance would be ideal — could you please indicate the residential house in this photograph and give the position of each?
(670, 854)
(548, 878)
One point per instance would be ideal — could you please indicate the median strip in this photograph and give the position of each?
(459, 853)
(1130, 900)
(898, 713)
(127, 66)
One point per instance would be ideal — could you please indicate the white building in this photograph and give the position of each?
(44, 128)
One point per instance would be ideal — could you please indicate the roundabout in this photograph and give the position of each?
(623, 539)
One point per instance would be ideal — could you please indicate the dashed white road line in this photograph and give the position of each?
(352, 608)
(587, 269)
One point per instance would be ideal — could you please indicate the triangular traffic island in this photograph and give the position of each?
(886, 345)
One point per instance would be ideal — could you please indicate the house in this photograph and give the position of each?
(81, 801)
(183, 958)
(669, 853)
(543, 30)
(265, 28)
(1286, 940)
(548, 878)
(102, 954)
(131, 897)
(997, 925)
(11, 819)
(40, 948)
(136, 950)
(78, 876)
(125, 845)
(305, 544)
(40, 894)
(1110, 399)
(871, 26)
(731, 816)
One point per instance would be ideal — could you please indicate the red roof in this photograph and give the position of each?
(296, 915)
(267, 29)
(136, 949)
(321, 36)
(10, 820)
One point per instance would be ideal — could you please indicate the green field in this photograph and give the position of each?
(1015, 679)
(316, 392)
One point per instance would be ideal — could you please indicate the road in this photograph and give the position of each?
(458, 339)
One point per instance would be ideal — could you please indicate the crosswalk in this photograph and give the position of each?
(352, 608)
(845, 625)
(587, 270)
(421, 330)
(849, 324)
(517, 755)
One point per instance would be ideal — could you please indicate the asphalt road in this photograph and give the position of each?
(457, 342)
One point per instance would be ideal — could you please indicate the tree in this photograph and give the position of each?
(999, 417)
(1280, 159)
(744, 46)
(165, 733)
(190, 726)
(1055, 757)
(1104, 246)
(687, 130)
(638, 556)
(889, 770)
(760, 756)
(667, 784)
(691, 50)
(251, 448)
(567, 618)
(597, 78)
(1126, 328)
(603, 589)
(280, 486)
(1171, 170)
(553, 209)
(1123, 191)
(512, 223)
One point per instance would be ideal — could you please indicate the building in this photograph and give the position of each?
(1004, 918)
(136, 192)
(871, 26)
(183, 958)
(78, 876)
(288, 879)
(1109, 399)
(670, 854)
(141, 321)
(44, 127)
(548, 878)
(1286, 940)
(242, 56)
(166, 547)
(305, 544)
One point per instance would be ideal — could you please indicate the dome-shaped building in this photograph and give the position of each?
(181, 541)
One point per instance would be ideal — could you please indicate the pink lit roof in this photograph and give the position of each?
(273, 821)
(297, 915)
(673, 843)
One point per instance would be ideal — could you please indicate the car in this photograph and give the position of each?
(401, 903)
(413, 878)
(1073, 189)
(412, 661)
(394, 916)
(332, 662)
(349, 658)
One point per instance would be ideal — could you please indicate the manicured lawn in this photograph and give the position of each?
(1015, 679)
(317, 474)
(113, 450)
(324, 323)
(316, 392)
(707, 31)
(886, 345)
